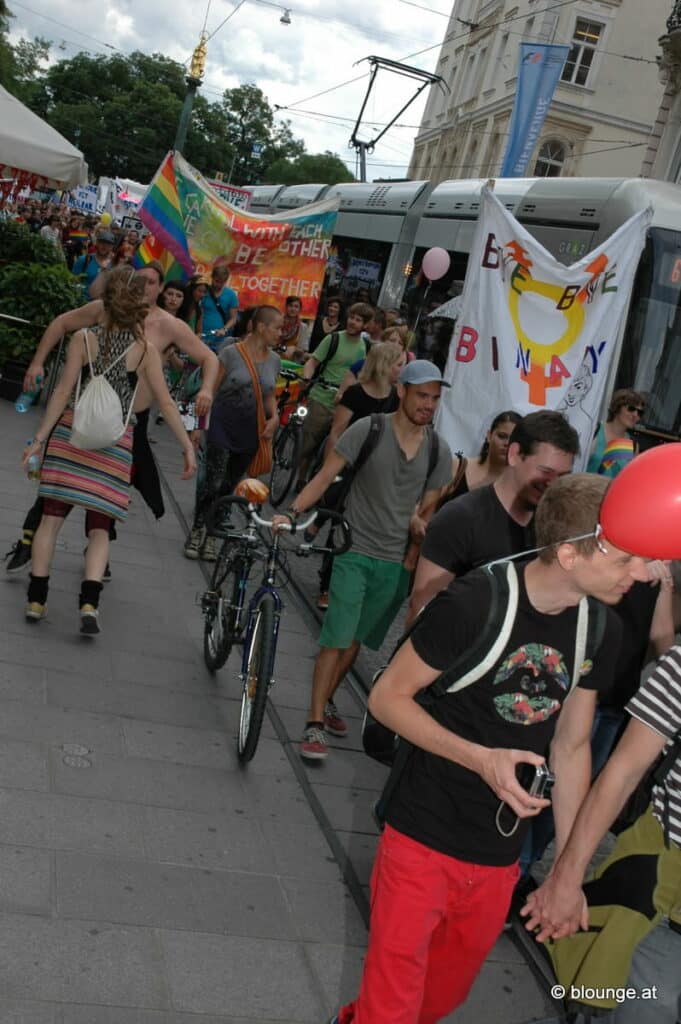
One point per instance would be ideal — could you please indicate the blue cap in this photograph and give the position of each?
(422, 371)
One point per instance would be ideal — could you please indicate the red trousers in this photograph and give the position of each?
(434, 919)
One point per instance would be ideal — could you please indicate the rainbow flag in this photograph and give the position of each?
(151, 249)
(161, 213)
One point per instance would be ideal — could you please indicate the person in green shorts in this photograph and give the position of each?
(350, 348)
(369, 582)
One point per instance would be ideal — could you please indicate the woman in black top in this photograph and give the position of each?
(323, 325)
(374, 391)
(467, 474)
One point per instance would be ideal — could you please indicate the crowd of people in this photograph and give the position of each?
(567, 627)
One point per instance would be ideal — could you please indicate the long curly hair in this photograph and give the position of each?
(125, 305)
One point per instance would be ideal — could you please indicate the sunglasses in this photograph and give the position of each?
(636, 408)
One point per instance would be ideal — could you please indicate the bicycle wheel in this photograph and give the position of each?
(285, 455)
(220, 605)
(256, 683)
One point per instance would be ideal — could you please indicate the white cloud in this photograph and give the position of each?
(317, 51)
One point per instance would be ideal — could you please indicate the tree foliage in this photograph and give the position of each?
(325, 168)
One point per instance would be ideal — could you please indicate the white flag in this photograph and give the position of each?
(534, 334)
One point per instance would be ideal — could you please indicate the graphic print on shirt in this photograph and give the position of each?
(535, 679)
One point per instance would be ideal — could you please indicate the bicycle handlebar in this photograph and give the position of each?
(303, 549)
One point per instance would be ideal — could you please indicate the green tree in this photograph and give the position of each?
(326, 168)
(254, 139)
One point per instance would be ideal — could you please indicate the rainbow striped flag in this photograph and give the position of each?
(151, 249)
(161, 213)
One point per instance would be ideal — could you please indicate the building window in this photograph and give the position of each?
(550, 160)
(582, 51)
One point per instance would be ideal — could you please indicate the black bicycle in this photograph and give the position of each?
(289, 436)
(229, 619)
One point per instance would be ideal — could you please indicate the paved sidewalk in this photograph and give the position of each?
(145, 878)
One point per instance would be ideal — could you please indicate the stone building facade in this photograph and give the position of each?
(604, 107)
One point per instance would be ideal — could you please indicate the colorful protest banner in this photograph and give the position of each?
(270, 257)
(534, 333)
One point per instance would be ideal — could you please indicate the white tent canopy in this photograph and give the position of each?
(30, 147)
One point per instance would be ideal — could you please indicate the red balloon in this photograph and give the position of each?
(641, 511)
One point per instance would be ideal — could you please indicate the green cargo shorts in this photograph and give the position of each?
(365, 595)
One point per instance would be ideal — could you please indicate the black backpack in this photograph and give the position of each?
(383, 745)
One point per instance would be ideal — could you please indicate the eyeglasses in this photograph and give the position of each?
(636, 408)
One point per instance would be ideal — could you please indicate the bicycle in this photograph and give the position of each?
(229, 620)
(288, 438)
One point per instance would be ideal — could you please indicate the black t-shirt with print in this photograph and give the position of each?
(515, 705)
(473, 530)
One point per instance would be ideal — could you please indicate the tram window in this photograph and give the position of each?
(356, 268)
(651, 351)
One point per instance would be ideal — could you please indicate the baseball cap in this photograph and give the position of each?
(105, 236)
(421, 371)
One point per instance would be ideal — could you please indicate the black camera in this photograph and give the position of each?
(536, 779)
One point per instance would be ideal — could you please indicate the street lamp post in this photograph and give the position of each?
(193, 80)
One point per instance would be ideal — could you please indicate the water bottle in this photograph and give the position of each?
(33, 467)
(27, 398)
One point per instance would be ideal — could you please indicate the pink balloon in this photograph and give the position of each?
(435, 263)
(641, 511)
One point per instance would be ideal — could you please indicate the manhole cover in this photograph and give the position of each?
(73, 761)
(75, 748)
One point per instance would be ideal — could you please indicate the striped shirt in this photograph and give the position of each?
(658, 705)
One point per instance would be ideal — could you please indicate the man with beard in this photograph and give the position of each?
(369, 582)
(457, 813)
(495, 521)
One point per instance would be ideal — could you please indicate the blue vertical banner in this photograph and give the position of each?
(540, 68)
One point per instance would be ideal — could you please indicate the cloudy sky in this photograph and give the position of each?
(293, 64)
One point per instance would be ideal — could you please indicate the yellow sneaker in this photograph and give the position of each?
(89, 620)
(35, 611)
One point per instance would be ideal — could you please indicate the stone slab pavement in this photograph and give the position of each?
(145, 878)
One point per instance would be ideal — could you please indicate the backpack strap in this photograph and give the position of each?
(591, 620)
(433, 455)
(333, 348)
(369, 444)
(481, 656)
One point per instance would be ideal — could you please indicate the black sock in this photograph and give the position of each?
(314, 725)
(37, 589)
(89, 593)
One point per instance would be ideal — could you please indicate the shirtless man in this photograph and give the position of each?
(161, 330)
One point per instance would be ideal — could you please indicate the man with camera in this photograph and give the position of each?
(457, 814)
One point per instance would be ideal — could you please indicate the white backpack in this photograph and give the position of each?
(98, 413)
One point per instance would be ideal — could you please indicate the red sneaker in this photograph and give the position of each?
(313, 744)
(333, 723)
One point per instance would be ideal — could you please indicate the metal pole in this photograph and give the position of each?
(185, 116)
(362, 148)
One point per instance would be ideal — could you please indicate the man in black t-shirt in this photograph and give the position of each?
(446, 862)
(495, 521)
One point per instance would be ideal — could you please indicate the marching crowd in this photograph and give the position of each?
(506, 666)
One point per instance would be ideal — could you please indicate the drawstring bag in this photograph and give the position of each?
(98, 413)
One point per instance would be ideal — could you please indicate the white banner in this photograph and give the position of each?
(534, 334)
(83, 198)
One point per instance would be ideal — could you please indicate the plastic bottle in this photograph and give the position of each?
(27, 398)
(33, 467)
